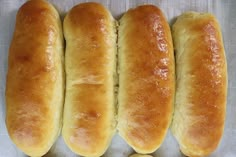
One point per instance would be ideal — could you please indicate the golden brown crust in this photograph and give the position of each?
(146, 81)
(34, 90)
(201, 83)
(89, 122)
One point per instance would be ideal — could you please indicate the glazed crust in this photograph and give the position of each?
(34, 86)
(146, 78)
(201, 83)
(89, 115)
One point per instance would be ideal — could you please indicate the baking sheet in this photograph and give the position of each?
(224, 10)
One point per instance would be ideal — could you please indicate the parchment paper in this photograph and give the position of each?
(224, 10)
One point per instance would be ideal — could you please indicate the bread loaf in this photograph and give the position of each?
(35, 83)
(89, 114)
(201, 83)
(146, 78)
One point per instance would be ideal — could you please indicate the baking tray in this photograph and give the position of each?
(225, 11)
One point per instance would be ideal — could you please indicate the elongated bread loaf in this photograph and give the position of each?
(201, 83)
(146, 78)
(35, 83)
(89, 115)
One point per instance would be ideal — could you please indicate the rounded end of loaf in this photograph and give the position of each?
(84, 149)
(84, 15)
(145, 10)
(33, 7)
(194, 152)
(143, 121)
(143, 148)
(30, 144)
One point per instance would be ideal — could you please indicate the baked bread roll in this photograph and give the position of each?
(146, 78)
(89, 114)
(35, 84)
(201, 83)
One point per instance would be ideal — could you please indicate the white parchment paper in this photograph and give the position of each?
(224, 10)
